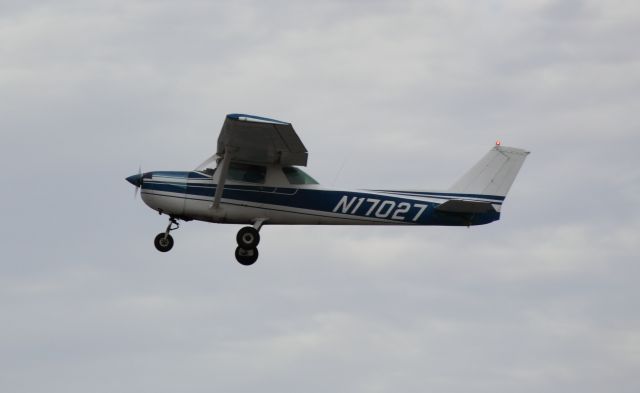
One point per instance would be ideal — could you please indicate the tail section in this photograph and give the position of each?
(493, 174)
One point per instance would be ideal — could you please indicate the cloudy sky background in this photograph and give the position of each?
(383, 93)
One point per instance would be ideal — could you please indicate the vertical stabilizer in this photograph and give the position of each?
(493, 174)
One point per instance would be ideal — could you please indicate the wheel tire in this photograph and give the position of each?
(248, 238)
(163, 244)
(246, 257)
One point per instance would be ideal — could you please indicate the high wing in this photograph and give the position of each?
(257, 140)
(260, 140)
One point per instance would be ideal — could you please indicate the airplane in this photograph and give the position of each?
(254, 178)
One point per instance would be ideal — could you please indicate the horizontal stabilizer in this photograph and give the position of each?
(466, 207)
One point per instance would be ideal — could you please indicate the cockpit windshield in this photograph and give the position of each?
(209, 165)
(297, 176)
(209, 171)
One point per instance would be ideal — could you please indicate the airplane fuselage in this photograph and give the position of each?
(189, 196)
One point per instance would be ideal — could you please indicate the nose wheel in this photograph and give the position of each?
(164, 241)
(248, 239)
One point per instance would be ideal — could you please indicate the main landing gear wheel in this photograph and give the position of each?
(246, 257)
(163, 242)
(248, 238)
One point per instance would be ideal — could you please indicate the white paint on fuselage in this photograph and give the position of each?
(199, 207)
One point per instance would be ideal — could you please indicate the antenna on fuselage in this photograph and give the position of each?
(344, 161)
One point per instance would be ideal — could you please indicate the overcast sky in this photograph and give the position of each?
(397, 94)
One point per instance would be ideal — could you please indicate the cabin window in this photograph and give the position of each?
(297, 176)
(247, 172)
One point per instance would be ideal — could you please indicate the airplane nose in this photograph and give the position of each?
(136, 179)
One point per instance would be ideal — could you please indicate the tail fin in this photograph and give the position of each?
(493, 174)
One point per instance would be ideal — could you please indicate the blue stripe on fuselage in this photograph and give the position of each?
(444, 195)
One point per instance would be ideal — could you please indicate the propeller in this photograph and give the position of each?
(137, 181)
(137, 190)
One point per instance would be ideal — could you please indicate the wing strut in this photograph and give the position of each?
(224, 170)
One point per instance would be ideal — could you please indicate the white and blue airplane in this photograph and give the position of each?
(255, 178)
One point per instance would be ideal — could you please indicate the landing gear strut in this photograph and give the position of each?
(164, 241)
(248, 239)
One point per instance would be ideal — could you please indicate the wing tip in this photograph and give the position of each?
(255, 119)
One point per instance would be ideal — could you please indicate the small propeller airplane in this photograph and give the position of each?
(255, 178)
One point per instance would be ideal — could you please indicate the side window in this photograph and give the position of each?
(247, 172)
(297, 176)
